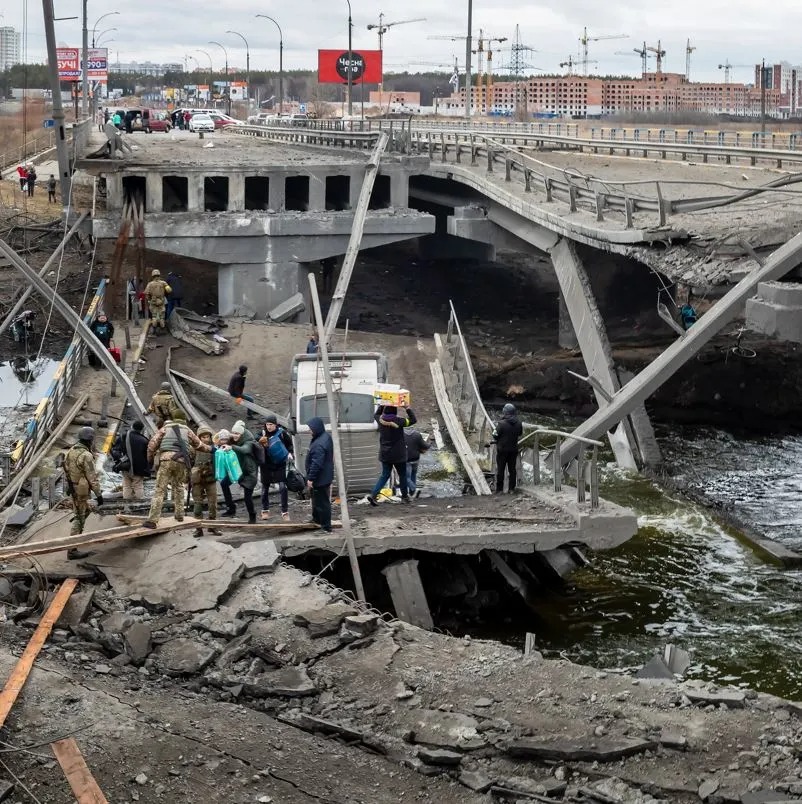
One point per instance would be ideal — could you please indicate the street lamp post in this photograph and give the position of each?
(101, 35)
(280, 61)
(350, 60)
(211, 69)
(247, 65)
(97, 22)
(228, 87)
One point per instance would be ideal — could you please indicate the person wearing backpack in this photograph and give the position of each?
(248, 450)
(130, 453)
(277, 445)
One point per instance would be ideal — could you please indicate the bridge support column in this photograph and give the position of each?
(247, 288)
(153, 192)
(566, 337)
(399, 190)
(236, 192)
(317, 193)
(195, 192)
(591, 334)
(277, 194)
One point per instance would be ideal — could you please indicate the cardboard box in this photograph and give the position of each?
(387, 394)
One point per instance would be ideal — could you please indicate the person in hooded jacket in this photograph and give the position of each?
(320, 472)
(243, 447)
(276, 441)
(133, 444)
(507, 434)
(392, 447)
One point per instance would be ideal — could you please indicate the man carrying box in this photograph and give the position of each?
(392, 447)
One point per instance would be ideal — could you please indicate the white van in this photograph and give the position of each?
(354, 377)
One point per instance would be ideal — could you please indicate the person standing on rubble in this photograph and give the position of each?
(320, 472)
(176, 297)
(103, 330)
(506, 435)
(244, 446)
(156, 293)
(22, 173)
(204, 485)
(82, 479)
(392, 447)
(236, 387)
(130, 451)
(162, 404)
(172, 443)
(277, 444)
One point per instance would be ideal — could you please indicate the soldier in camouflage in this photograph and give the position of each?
(162, 404)
(156, 292)
(204, 484)
(79, 469)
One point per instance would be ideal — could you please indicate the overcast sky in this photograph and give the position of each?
(154, 30)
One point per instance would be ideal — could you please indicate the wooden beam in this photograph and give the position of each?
(83, 784)
(19, 675)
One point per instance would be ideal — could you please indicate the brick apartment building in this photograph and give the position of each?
(588, 96)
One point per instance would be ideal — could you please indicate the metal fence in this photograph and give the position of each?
(46, 414)
(21, 153)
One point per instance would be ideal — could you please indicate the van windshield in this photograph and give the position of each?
(351, 408)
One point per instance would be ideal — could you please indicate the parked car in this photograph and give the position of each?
(299, 120)
(201, 122)
(223, 120)
(140, 119)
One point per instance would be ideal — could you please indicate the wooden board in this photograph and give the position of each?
(83, 784)
(229, 524)
(19, 675)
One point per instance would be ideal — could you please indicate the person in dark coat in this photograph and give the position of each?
(273, 438)
(507, 434)
(176, 296)
(320, 472)
(236, 387)
(392, 447)
(242, 445)
(416, 445)
(103, 330)
(133, 445)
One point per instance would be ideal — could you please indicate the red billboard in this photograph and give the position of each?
(69, 66)
(366, 66)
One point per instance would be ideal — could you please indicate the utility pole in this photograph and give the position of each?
(85, 66)
(350, 62)
(468, 45)
(247, 65)
(62, 154)
(280, 62)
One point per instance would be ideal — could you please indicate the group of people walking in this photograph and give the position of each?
(27, 182)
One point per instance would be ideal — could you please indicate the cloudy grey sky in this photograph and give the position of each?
(740, 31)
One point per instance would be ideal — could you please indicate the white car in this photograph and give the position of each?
(201, 122)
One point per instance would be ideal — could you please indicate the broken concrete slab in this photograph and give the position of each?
(589, 749)
(165, 570)
(288, 308)
(251, 598)
(762, 797)
(362, 625)
(185, 656)
(655, 669)
(476, 780)
(258, 557)
(673, 740)
(21, 517)
(439, 756)
(223, 623)
(117, 622)
(531, 787)
(325, 621)
(287, 682)
(732, 699)
(322, 726)
(235, 650)
(446, 729)
(138, 643)
(77, 608)
(707, 788)
(677, 660)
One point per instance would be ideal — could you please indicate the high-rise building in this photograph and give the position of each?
(10, 47)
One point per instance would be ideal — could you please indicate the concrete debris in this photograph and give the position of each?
(476, 780)
(288, 309)
(221, 623)
(185, 656)
(483, 703)
(77, 608)
(708, 787)
(361, 625)
(603, 749)
(141, 779)
(117, 622)
(138, 644)
(6, 789)
(673, 739)
(325, 621)
(250, 599)
(732, 699)
(446, 730)
(760, 797)
(321, 726)
(235, 650)
(439, 756)
(656, 669)
(522, 785)
(288, 682)
(258, 557)
(677, 660)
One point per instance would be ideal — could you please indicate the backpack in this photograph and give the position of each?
(276, 450)
(259, 453)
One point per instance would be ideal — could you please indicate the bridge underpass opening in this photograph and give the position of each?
(134, 190)
(175, 194)
(257, 193)
(296, 193)
(380, 197)
(215, 193)
(338, 193)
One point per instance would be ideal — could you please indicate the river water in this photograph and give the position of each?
(688, 579)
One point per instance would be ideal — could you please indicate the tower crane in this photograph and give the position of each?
(727, 67)
(659, 55)
(644, 54)
(571, 63)
(489, 80)
(688, 50)
(583, 41)
(381, 30)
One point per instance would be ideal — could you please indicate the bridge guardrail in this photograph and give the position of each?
(33, 146)
(307, 135)
(773, 140)
(44, 418)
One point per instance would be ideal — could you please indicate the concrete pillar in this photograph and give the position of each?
(357, 177)
(153, 192)
(256, 287)
(399, 190)
(317, 192)
(277, 192)
(406, 590)
(236, 192)
(195, 192)
(592, 336)
(566, 337)
(114, 191)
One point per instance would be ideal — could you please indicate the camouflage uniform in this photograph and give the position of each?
(162, 406)
(156, 293)
(79, 466)
(204, 485)
(173, 469)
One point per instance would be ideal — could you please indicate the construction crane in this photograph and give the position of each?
(727, 67)
(688, 51)
(584, 39)
(659, 55)
(571, 63)
(382, 29)
(489, 81)
(644, 54)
